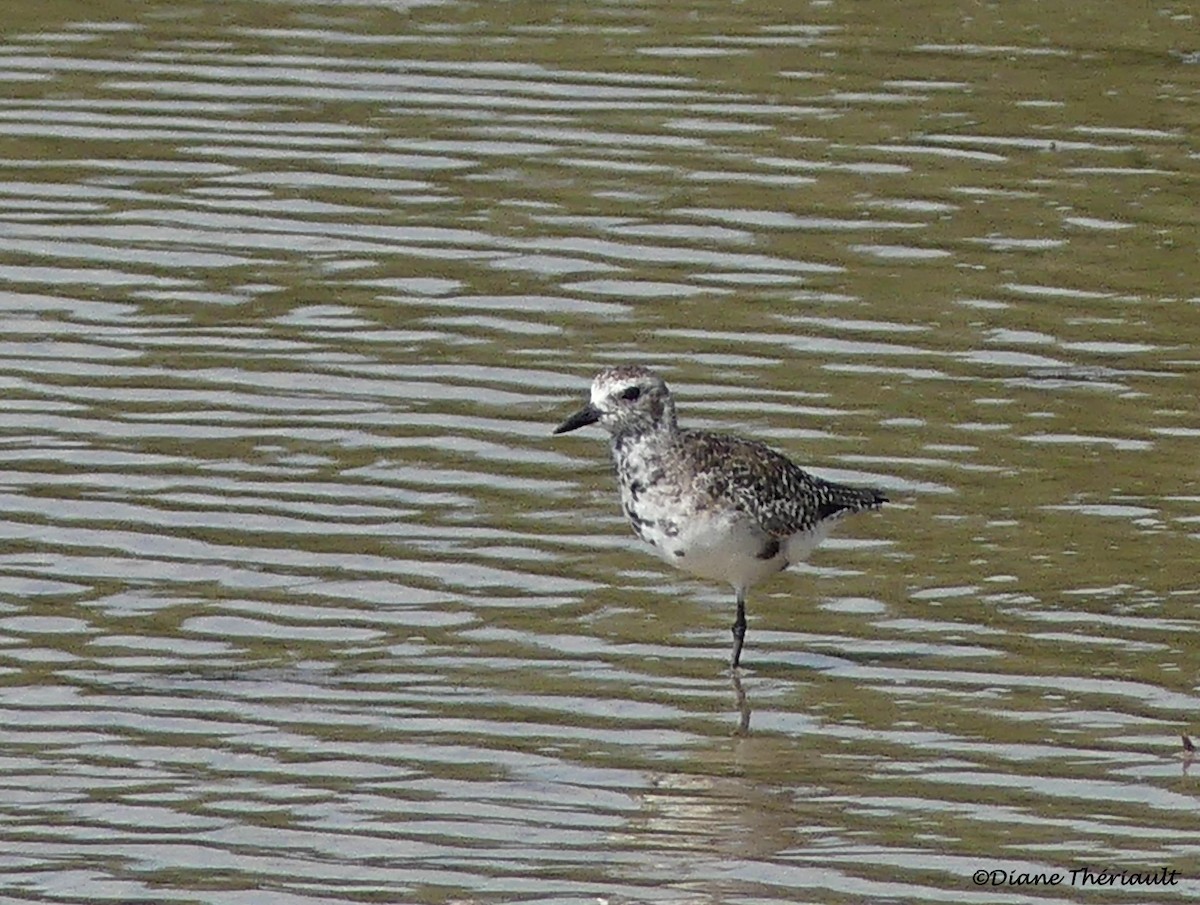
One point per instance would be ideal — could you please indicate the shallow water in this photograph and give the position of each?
(300, 601)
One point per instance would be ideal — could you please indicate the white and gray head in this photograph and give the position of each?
(628, 399)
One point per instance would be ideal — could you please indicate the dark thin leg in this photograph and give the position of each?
(739, 628)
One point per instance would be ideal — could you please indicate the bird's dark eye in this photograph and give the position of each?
(632, 394)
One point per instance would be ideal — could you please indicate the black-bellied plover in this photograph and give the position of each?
(714, 505)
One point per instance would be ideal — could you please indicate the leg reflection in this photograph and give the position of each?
(743, 705)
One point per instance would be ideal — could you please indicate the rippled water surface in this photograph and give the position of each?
(301, 603)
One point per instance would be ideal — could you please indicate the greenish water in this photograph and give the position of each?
(299, 600)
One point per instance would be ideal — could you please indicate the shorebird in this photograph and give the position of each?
(714, 505)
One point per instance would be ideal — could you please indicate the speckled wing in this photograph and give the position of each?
(753, 478)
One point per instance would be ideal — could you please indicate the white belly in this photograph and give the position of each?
(728, 548)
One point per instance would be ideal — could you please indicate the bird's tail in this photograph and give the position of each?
(841, 499)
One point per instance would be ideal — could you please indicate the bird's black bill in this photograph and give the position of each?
(589, 414)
